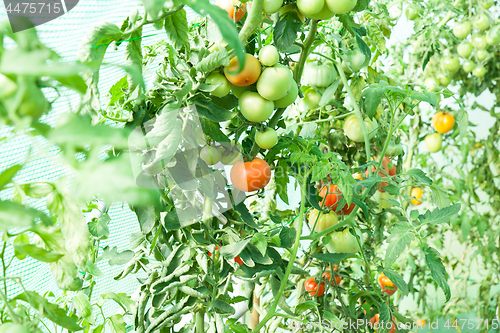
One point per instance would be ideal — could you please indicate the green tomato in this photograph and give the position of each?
(341, 6)
(275, 82)
(268, 55)
(493, 36)
(289, 98)
(254, 107)
(220, 81)
(237, 91)
(210, 155)
(468, 66)
(431, 84)
(13, 328)
(272, 6)
(462, 30)
(479, 41)
(7, 86)
(323, 14)
(394, 149)
(481, 22)
(479, 71)
(464, 49)
(433, 142)
(311, 99)
(310, 7)
(486, 4)
(319, 74)
(266, 139)
(481, 54)
(450, 64)
(412, 12)
(343, 242)
(356, 60)
(444, 80)
(352, 128)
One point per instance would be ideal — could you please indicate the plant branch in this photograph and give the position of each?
(253, 20)
(305, 51)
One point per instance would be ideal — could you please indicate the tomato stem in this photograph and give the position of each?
(252, 22)
(200, 321)
(305, 51)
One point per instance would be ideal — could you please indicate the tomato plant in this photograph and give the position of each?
(433, 142)
(275, 82)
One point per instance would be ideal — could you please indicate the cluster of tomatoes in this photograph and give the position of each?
(443, 122)
(318, 289)
(473, 50)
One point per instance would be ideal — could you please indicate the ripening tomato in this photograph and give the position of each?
(376, 319)
(234, 8)
(312, 287)
(420, 322)
(444, 80)
(331, 196)
(311, 99)
(481, 54)
(237, 91)
(254, 107)
(328, 276)
(291, 7)
(275, 82)
(443, 122)
(238, 260)
(451, 64)
(250, 176)
(356, 60)
(343, 242)
(266, 139)
(321, 221)
(479, 41)
(433, 142)
(430, 84)
(292, 95)
(416, 193)
(268, 55)
(394, 149)
(386, 284)
(250, 73)
(493, 36)
(468, 66)
(341, 6)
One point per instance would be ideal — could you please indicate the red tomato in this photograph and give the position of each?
(251, 176)
(231, 7)
(328, 276)
(385, 171)
(333, 196)
(376, 319)
(312, 287)
(387, 286)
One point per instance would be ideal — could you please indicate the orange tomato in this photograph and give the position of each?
(386, 284)
(250, 176)
(443, 122)
(249, 74)
(234, 8)
(416, 192)
(313, 288)
(328, 276)
(420, 323)
(331, 196)
(376, 319)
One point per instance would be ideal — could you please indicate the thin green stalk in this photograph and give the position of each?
(305, 51)
(9, 309)
(252, 22)
(200, 321)
(300, 222)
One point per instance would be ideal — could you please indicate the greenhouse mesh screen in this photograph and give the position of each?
(64, 35)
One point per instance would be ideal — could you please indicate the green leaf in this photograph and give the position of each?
(74, 82)
(286, 30)
(232, 250)
(211, 111)
(329, 93)
(400, 237)
(439, 216)
(122, 299)
(213, 61)
(213, 130)
(37, 253)
(92, 269)
(8, 174)
(304, 306)
(223, 308)
(373, 97)
(246, 217)
(133, 54)
(83, 307)
(51, 311)
(332, 257)
(116, 258)
(21, 240)
(438, 271)
(397, 280)
(275, 286)
(226, 25)
(117, 324)
(419, 176)
(439, 197)
(176, 27)
(425, 96)
(16, 215)
(281, 179)
(287, 237)
(260, 242)
(463, 122)
(99, 227)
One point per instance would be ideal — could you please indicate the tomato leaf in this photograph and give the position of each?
(260, 242)
(397, 280)
(463, 122)
(36, 253)
(8, 174)
(17, 215)
(117, 324)
(211, 111)
(286, 30)
(287, 237)
(439, 197)
(438, 271)
(400, 237)
(439, 216)
(281, 179)
(115, 257)
(230, 251)
(373, 97)
(332, 257)
(213, 61)
(419, 176)
(246, 217)
(329, 92)
(213, 130)
(304, 306)
(177, 29)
